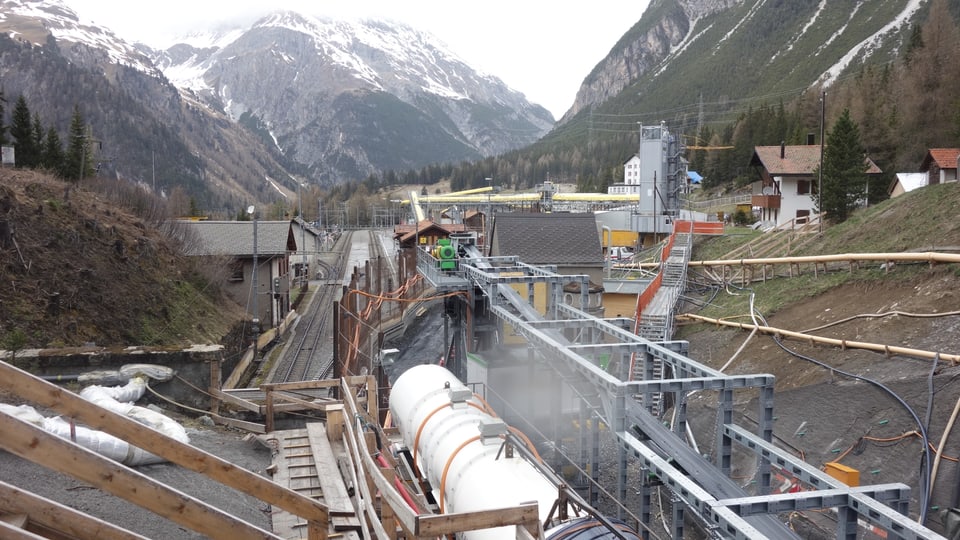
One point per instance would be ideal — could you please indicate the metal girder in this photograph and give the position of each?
(724, 520)
(722, 515)
(811, 500)
(727, 382)
(871, 509)
(540, 338)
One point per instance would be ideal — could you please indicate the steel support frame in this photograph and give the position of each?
(720, 518)
(618, 406)
(874, 509)
(613, 394)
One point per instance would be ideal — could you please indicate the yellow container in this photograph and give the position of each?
(847, 475)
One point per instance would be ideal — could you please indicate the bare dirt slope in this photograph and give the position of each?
(88, 263)
(862, 409)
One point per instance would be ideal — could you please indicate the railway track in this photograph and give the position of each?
(309, 355)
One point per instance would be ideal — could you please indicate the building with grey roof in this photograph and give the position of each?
(231, 244)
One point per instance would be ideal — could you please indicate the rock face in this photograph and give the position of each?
(346, 99)
(665, 25)
(683, 49)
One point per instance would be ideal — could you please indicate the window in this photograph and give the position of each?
(237, 271)
(803, 187)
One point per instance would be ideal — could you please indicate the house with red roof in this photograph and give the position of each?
(788, 182)
(940, 164)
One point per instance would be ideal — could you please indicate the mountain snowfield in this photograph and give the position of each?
(65, 25)
(395, 54)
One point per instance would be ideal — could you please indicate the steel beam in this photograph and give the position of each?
(869, 508)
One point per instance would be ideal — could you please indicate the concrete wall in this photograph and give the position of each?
(192, 365)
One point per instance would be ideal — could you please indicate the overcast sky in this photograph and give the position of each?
(539, 47)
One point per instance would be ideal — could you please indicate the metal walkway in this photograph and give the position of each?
(698, 485)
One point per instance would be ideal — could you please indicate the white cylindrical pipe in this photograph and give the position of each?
(475, 478)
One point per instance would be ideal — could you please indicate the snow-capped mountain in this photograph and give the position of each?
(33, 20)
(347, 98)
(289, 96)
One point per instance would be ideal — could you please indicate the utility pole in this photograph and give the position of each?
(823, 102)
(252, 210)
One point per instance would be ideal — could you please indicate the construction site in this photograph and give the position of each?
(540, 415)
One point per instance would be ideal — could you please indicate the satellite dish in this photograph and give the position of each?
(250, 209)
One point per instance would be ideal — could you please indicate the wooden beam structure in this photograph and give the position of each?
(33, 443)
(47, 515)
(25, 385)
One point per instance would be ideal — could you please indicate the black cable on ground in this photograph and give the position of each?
(925, 463)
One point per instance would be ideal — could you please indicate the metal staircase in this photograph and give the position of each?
(656, 321)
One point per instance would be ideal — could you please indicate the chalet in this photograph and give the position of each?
(788, 182)
(940, 165)
(231, 245)
(423, 235)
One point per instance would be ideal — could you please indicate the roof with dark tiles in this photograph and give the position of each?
(557, 238)
(236, 238)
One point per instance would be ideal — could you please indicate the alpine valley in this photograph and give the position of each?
(252, 112)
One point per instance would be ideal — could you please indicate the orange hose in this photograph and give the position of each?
(446, 467)
(528, 442)
(423, 423)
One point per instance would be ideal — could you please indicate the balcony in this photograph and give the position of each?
(768, 202)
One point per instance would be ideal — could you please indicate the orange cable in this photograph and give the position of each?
(528, 442)
(446, 467)
(423, 423)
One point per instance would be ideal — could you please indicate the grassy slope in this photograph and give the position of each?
(922, 220)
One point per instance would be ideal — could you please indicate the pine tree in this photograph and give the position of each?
(78, 163)
(51, 158)
(21, 129)
(844, 180)
(3, 128)
(37, 137)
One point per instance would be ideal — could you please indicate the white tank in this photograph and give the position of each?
(420, 401)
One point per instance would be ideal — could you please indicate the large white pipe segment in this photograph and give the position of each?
(440, 421)
(454, 439)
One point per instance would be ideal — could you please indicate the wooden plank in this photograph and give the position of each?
(388, 493)
(240, 424)
(11, 532)
(284, 523)
(15, 520)
(440, 524)
(242, 403)
(21, 383)
(57, 517)
(334, 490)
(33, 443)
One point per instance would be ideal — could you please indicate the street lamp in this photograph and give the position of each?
(252, 212)
(486, 216)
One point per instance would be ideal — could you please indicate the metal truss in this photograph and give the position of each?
(699, 485)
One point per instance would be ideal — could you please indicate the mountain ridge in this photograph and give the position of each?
(373, 98)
